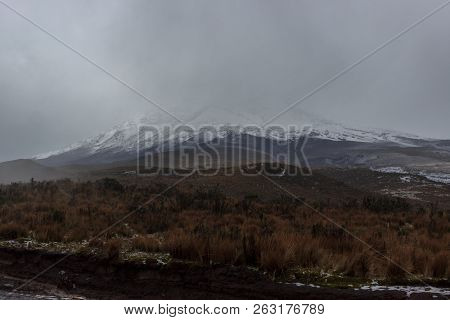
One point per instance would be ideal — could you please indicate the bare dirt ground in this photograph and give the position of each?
(79, 277)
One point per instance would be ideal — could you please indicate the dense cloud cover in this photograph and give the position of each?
(189, 55)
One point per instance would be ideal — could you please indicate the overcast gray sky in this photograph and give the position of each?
(188, 55)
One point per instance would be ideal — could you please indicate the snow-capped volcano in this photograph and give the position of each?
(121, 138)
(120, 143)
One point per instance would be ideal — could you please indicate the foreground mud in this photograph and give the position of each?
(94, 278)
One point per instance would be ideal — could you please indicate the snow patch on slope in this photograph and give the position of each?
(407, 173)
(397, 170)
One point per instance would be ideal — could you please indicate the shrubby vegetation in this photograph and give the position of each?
(207, 226)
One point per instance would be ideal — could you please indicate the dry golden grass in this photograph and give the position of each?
(112, 249)
(146, 244)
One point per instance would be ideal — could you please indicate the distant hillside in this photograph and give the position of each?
(23, 170)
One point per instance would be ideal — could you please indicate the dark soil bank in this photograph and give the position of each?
(96, 278)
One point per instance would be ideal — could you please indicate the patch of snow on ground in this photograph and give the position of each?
(409, 290)
(432, 176)
(406, 179)
(436, 177)
(298, 284)
(398, 170)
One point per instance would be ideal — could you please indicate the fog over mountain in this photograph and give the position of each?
(189, 56)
